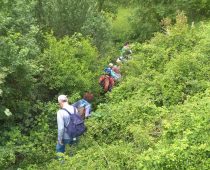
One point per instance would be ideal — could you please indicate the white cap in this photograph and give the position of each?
(110, 65)
(62, 98)
(118, 61)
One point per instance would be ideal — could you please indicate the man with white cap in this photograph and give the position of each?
(63, 119)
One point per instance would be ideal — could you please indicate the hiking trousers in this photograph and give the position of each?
(61, 148)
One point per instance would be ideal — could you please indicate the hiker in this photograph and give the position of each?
(115, 72)
(83, 106)
(106, 81)
(121, 60)
(110, 72)
(63, 119)
(116, 69)
(126, 51)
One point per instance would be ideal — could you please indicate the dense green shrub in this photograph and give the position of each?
(157, 117)
(17, 60)
(70, 65)
(99, 157)
(17, 15)
(177, 63)
(67, 17)
(185, 140)
(147, 16)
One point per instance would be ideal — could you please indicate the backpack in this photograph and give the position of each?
(101, 80)
(76, 126)
(80, 105)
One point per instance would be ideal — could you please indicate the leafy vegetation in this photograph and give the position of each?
(147, 15)
(157, 117)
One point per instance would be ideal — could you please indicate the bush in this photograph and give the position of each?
(70, 65)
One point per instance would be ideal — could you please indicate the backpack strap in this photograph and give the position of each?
(68, 111)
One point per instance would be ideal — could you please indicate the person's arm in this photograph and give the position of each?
(60, 123)
(111, 80)
(87, 110)
(101, 79)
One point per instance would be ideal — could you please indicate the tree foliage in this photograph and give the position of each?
(147, 15)
(157, 117)
(69, 65)
(17, 15)
(67, 17)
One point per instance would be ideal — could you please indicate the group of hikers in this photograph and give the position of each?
(70, 118)
(112, 72)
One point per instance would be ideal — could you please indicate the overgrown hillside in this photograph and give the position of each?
(158, 117)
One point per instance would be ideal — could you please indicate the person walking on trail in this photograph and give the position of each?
(106, 81)
(115, 73)
(126, 51)
(110, 72)
(84, 105)
(63, 119)
(116, 69)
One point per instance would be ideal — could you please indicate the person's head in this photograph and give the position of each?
(126, 44)
(110, 65)
(62, 99)
(88, 96)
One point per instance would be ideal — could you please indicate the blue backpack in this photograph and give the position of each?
(76, 126)
(81, 107)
